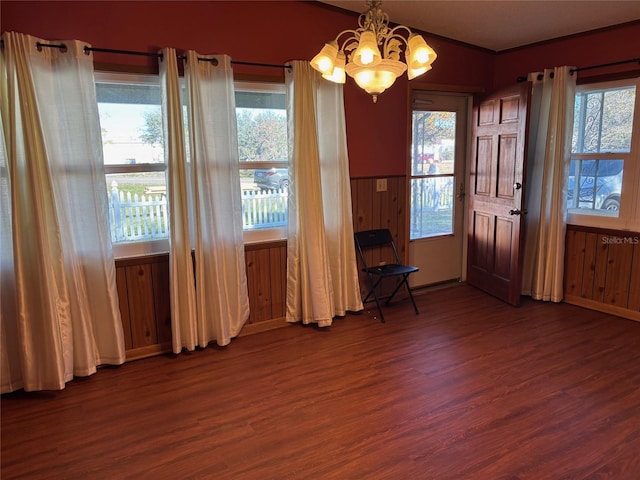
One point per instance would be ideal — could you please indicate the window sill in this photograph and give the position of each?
(140, 249)
(155, 251)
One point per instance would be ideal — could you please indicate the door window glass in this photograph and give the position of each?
(432, 173)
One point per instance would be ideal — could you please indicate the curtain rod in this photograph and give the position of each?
(590, 67)
(214, 61)
(181, 57)
(603, 65)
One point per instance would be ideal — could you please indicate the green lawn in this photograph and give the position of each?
(432, 222)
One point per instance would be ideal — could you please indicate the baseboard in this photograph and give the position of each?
(252, 328)
(436, 286)
(148, 351)
(602, 307)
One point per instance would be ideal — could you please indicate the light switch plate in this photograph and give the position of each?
(381, 185)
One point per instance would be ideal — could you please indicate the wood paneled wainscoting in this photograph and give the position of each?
(143, 293)
(602, 270)
(387, 208)
(267, 284)
(143, 282)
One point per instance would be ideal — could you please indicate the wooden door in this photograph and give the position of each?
(496, 188)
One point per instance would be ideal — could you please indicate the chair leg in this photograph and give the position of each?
(405, 282)
(395, 291)
(375, 296)
(373, 288)
(411, 297)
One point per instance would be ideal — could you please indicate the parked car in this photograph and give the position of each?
(272, 178)
(600, 184)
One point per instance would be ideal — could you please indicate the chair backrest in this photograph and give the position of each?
(374, 238)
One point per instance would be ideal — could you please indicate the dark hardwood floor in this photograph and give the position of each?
(470, 389)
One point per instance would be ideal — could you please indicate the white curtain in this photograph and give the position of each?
(322, 274)
(549, 156)
(59, 305)
(205, 203)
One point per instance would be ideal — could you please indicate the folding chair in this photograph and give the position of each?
(368, 239)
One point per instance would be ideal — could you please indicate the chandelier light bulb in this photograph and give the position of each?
(422, 55)
(324, 64)
(337, 75)
(416, 72)
(364, 78)
(325, 60)
(366, 57)
(367, 52)
(417, 51)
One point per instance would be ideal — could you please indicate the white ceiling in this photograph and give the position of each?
(500, 25)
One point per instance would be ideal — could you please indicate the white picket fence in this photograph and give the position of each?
(137, 217)
(145, 217)
(264, 208)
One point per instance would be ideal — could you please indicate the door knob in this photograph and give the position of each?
(517, 186)
(518, 212)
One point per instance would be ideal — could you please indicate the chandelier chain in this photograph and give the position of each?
(376, 20)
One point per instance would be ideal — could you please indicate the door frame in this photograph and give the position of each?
(467, 93)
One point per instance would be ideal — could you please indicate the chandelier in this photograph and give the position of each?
(359, 54)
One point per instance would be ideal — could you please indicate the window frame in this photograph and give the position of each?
(143, 247)
(439, 178)
(262, 235)
(629, 213)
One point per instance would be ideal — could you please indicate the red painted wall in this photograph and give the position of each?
(595, 48)
(278, 31)
(254, 31)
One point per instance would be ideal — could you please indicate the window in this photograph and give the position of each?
(432, 173)
(131, 122)
(604, 175)
(132, 139)
(262, 144)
